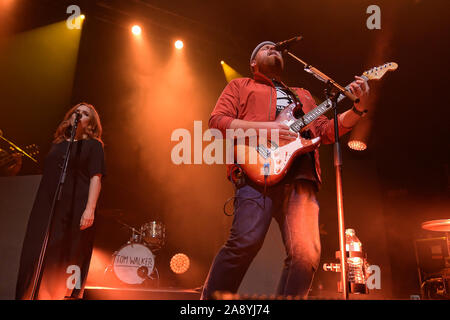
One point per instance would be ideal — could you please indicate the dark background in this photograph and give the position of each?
(400, 181)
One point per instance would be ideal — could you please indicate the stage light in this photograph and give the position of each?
(179, 263)
(229, 72)
(82, 17)
(357, 145)
(136, 30)
(360, 135)
(179, 44)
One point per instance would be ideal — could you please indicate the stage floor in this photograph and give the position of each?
(107, 293)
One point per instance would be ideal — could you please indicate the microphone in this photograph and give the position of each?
(284, 45)
(77, 115)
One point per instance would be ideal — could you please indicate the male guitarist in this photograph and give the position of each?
(254, 104)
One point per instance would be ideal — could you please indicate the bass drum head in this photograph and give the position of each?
(133, 263)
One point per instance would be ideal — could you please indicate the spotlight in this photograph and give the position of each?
(357, 145)
(136, 30)
(229, 72)
(179, 44)
(179, 263)
(360, 135)
(82, 17)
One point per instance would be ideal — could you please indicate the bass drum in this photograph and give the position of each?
(133, 263)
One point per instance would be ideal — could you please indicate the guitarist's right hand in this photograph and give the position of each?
(284, 131)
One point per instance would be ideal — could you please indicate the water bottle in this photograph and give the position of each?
(356, 262)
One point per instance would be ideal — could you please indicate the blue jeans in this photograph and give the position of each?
(295, 208)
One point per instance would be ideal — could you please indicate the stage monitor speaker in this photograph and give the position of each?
(16, 200)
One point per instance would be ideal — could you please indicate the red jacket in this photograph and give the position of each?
(255, 100)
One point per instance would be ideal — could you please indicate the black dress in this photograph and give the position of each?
(68, 247)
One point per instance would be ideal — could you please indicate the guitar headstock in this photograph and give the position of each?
(32, 149)
(378, 72)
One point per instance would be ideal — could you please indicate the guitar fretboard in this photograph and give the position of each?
(321, 109)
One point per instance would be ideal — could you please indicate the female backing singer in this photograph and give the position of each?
(71, 238)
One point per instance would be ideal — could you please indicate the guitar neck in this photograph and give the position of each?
(324, 107)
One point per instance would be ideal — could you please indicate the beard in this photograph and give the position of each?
(272, 65)
(278, 64)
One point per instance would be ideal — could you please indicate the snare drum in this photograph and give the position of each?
(133, 263)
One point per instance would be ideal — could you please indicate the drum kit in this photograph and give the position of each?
(134, 262)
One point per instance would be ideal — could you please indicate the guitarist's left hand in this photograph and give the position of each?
(360, 88)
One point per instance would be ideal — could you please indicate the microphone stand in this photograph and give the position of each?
(56, 198)
(331, 84)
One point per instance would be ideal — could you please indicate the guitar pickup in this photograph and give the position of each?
(273, 146)
(263, 151)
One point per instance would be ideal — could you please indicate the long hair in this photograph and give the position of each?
(93, 130)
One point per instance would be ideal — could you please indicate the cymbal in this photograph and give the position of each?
(442, 225)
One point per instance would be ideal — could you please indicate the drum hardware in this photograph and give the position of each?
(144, 274)
(154, 234)
(134, 262)
(136, 236)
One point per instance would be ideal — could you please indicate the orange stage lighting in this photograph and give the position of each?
(360, 136)
(179, 263)
(179, 44)
(229, 72)
(357, 145)
(136, 30)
